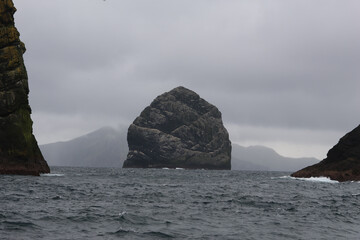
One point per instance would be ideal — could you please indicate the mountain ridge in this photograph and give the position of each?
(107, 147)
(265, 159)
(100, 148)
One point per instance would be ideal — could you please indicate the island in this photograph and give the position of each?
(179, 130)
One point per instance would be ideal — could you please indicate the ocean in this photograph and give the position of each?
(101, 203)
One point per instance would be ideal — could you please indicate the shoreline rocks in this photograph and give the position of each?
(342, 162)
(19, 152)
(179, 130)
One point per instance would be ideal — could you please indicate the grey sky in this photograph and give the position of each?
(283, 73)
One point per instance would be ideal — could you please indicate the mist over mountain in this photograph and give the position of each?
(107, 147)
(265, 159)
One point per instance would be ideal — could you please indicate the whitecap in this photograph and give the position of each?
(320, 179)
(282, 177)
(122, 213)
(165, 168)
(57, 197)
(52, 175)
(313, 179)
(179, 168)
(355, 181)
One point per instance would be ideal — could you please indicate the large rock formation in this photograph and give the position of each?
(19, 152)
(179, 130)
(342, 162)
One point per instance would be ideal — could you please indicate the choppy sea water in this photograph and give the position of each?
(94, 203)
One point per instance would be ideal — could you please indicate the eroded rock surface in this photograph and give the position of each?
(342, 162)
(179, 130)
(19, 152)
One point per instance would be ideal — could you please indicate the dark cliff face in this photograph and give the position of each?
(19, 152)
(342, 162)
(179, 130)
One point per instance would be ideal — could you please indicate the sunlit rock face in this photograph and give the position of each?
(19, 152)
(179, 130)
(342, 162)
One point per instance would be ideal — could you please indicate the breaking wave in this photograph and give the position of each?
(312, 179)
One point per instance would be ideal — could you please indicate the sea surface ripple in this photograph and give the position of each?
(101, 203)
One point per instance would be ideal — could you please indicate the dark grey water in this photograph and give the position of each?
(89, 203)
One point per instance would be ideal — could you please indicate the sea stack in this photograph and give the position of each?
(19, 152)
(179, 130)
(342, 162)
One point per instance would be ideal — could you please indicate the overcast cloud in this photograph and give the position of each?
(284, 74)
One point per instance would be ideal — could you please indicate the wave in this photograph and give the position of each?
(166, 168)
(124, 233)
(122, 213)
(19, 224)
(158, 234)
(52, 175)
(312, 179)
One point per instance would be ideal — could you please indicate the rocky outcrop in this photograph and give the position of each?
(19, 152)
(179, 130)
(342, 162)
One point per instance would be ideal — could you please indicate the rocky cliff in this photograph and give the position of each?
(179, 130)
(19, 152)
(342, 162)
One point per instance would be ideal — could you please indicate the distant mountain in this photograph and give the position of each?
(107, 147)
(265, 159)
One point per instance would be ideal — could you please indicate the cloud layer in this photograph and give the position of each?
(289, 66)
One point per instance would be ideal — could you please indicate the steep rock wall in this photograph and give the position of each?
(19, 152)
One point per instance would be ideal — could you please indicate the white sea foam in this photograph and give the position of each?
(179, 168)
(122, 213)
(312, 179)
(52, 175)
(165, 168)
